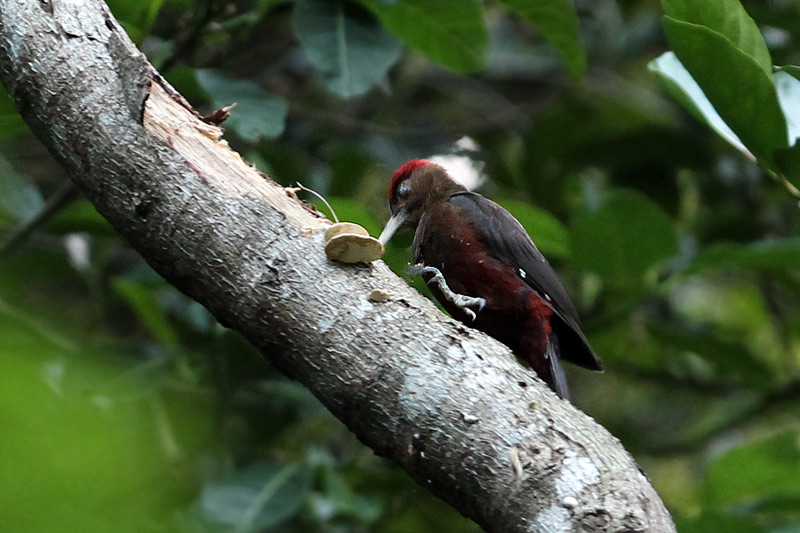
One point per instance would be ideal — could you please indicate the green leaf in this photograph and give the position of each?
(788, 89)
(720, 45)
(184, 79)
(452, 34)
(627, 236)
(136, 17)
(748, 103)
(728, 19)
(352, 211)
(788, 161)
(80, 215)
(787, 84)
(680, 84)
(11, 122)
(257, 497)
(345, 43)
(549, 234)
(780, 508)
(343, 501)
(792, 70)
(768, 255)
(718, 522)
(756, 472)
(558, 23)
(69, 408)
(19, 319)
(19, 197)
(149, 310)
(263, 6)
(727, 357)
(257, 113)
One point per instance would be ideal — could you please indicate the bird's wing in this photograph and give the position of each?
(506, 240)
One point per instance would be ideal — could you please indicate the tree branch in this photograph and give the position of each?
(60, 199)
(450, 405)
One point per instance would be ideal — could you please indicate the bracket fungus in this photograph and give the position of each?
(350, 243)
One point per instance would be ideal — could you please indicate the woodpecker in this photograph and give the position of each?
(485, 270)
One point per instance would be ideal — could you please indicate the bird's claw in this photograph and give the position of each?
(461, 301)
(470, 313)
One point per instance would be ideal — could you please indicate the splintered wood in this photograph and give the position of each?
(205, 151)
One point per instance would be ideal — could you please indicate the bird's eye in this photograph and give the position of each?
(403, 190)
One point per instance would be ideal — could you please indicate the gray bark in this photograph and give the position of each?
(450, 405)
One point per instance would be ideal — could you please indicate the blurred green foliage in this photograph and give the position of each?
(125, 407)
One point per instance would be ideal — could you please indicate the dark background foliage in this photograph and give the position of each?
(126, 407)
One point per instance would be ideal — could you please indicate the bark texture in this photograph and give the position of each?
(447, 403)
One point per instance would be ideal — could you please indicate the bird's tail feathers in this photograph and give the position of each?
(553, 355)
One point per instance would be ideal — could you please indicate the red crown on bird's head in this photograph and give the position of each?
(404, 172)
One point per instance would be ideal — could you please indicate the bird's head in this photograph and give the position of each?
(415, 186)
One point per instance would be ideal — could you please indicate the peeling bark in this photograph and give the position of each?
(450, 405)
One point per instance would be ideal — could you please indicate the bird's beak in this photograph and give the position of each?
(393, 225)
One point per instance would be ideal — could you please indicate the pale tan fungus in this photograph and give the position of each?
(352, 248)
(344, 227)
(378, 295)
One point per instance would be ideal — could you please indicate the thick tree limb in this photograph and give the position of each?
(450, 405)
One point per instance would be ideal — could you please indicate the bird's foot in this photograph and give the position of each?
(461, 301)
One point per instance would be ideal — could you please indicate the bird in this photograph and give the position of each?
(485, 270)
